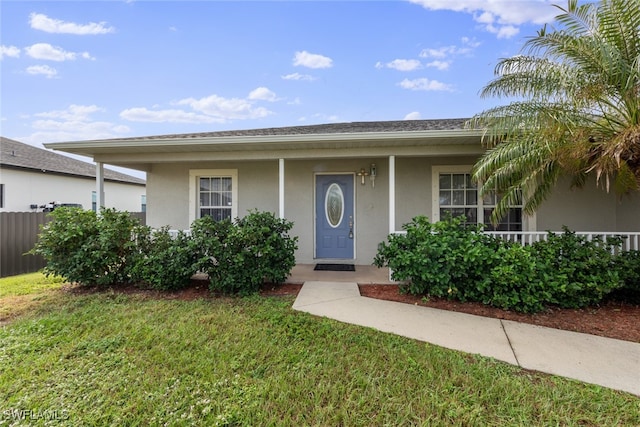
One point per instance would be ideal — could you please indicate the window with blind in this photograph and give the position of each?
(457, 195)
(215, 192)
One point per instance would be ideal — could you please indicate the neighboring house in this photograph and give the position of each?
(345, 186)
(34, 179)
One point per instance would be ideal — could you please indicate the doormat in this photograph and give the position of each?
(335, 267)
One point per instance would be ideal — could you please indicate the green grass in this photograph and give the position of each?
(26, 284)
(19, 293)
(114, 359)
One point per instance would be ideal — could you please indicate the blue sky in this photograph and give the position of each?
(109, 69)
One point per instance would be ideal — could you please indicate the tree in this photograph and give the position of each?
(575, 111)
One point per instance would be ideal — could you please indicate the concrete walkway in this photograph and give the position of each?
(604, 361)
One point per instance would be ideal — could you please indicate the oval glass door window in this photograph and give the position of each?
(334, 205)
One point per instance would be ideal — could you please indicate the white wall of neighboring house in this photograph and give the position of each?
(24, 188)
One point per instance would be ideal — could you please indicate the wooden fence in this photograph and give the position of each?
(18, 234)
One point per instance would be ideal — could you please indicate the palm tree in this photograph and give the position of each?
(576, 112)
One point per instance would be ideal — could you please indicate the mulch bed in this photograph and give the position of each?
(612, 319)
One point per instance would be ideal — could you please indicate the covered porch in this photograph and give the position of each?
(363, 275)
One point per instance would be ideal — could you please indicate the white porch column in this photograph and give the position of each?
(281, 188)
(392, 194)
(99, 185)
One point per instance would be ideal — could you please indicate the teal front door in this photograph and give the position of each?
(334, 216)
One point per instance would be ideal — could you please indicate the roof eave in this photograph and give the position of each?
(89, 145)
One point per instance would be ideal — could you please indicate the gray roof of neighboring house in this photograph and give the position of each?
(18, 155)
(332, 128)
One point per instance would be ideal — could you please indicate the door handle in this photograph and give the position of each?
(350, 226)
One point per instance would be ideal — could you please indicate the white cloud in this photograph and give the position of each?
(443, 56)
(72, 113)
(440, 65)
(311, 60)
(320, 118)
(52, 53)
(472, 43)
(39, 21)
(225, 108)
(165, 116)
(445, 51)
(262, 94)
(414, 115)
(210, 109)
(507, 31)
(45, 70)
(10, 51)
(73, 123)
(298, 76)
(425, 84)
(498, 16)
(402, 64)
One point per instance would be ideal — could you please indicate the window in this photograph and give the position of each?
(456, 194)
(143, 200)
(215, 192)
(1, 195)
(94, 201)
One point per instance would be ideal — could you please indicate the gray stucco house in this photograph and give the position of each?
(346, 186)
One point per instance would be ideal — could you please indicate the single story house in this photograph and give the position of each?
(345, 186)
(34, 179)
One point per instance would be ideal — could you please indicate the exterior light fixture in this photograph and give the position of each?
(362, 174)
(373, 172)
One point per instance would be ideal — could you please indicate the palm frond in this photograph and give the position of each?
(577, 108)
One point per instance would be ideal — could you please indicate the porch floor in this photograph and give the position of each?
(364, 274)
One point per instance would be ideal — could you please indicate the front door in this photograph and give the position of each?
(334, 216)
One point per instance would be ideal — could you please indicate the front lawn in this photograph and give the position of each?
(114, 359)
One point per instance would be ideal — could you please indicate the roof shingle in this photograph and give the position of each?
(24, 156)
(331, 128)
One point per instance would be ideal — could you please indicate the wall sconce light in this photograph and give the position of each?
(373, 172)
(362, 174)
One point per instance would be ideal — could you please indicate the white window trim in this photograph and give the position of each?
(195, 174)
(528, 222)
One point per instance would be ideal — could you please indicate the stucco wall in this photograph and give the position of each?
(628, 213)
(168, 198)
(23, 188)
(168, 190)
(588, 209)
(414, 185)
(371, 204)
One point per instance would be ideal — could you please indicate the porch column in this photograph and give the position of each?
(392, 194)
(281, 188)
(99, 185)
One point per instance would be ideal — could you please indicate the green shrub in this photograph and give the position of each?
(516, 282)
(443, 259)
(89, 248)
(579, 271)
(627, 264)
(448, 259)
(240, 256)
(208, 242)
(165, 262)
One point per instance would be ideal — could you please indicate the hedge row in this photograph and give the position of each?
(112, 247)
(449, 259)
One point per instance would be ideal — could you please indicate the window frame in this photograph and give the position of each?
(194, 189)
(480, 205)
